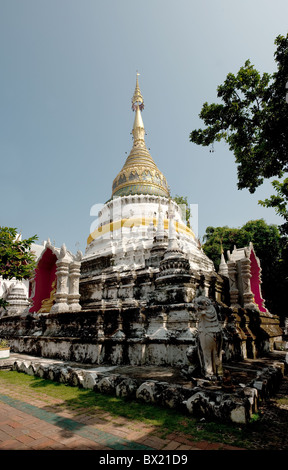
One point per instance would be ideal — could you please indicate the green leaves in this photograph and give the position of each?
(253, 119)
(16, 258)
(279, 202)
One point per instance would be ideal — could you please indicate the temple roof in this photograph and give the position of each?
(139, 175)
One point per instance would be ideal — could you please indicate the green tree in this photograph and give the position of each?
(220, 239)
(16, 258)
(279, 202)
(252, 119)
(270, 247)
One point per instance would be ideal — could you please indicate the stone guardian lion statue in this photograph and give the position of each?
(209, 337)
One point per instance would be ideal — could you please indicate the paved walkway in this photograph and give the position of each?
(27, 427)
(35, 421)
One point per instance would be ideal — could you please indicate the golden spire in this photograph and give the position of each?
(137, 99)
(139, 174)
(138, 130)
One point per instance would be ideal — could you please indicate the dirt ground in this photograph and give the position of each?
(270, 432)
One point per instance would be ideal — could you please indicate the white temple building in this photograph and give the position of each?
(135, 295)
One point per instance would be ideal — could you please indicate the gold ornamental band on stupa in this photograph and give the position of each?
(140, 174)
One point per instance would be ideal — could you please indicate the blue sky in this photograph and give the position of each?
(68, 70)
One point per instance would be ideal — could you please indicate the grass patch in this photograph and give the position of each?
(164, 421)
(283, 401)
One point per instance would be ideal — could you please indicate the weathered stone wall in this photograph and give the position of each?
(155, 335)
(131, 336)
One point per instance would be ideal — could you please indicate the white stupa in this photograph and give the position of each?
(140, 210)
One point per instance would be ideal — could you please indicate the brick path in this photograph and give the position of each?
(34, 421)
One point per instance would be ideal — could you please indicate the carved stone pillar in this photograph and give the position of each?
(74, 276)
(74, 296)
(62, 274)
(234, 292)
(246, 275)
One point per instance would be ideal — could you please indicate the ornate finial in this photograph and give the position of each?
(63, 251)
(137, 99)
(79, 255)
(221, 247)
(223, 268)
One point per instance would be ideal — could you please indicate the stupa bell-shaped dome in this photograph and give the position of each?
(139, 174)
